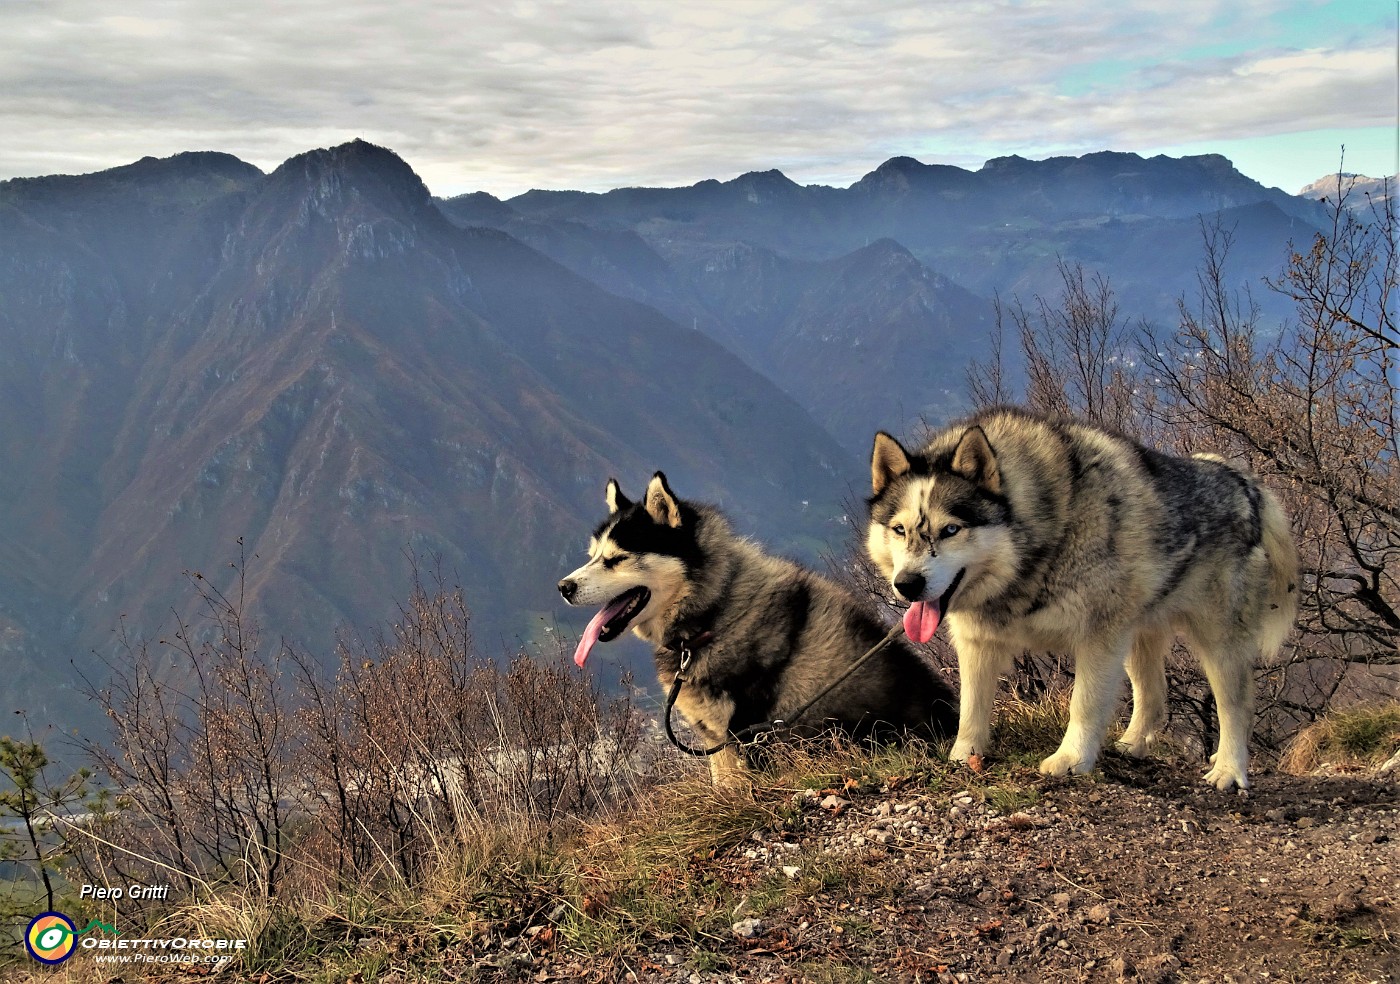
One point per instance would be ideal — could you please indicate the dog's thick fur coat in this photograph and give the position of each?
(1033, 533)
(766, 634)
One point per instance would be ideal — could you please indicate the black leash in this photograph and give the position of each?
(753, 730)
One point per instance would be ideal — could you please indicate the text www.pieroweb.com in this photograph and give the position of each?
(171, 951)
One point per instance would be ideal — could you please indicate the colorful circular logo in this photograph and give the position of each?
(51, 938)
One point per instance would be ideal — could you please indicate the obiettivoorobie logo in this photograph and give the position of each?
(52, 937)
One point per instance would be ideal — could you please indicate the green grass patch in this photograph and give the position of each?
(1012, 798)
(709, 962)
(1337, 937)
(1371, 733)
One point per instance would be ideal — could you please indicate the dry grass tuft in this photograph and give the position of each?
(1024, 732)
(1358, 738)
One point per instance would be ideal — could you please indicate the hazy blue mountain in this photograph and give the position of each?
(872, 339)
(865, 303)
(318, 362)
(867, 340)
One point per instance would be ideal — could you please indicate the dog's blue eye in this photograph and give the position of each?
(950, 529)
(897, 529)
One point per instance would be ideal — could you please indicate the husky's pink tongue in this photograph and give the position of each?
(921, 620)
(595, 628)
(590, 637)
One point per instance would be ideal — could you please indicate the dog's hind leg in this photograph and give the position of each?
(1098, 679)
(980, 666)
(1147, 671)
(1230, 670)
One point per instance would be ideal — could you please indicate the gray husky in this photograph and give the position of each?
(765, 635)
(1035, 533)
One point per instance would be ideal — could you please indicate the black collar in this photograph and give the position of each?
(682, 643)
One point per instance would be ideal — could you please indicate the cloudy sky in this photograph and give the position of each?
(508, 96)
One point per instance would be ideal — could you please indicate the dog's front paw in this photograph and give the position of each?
(1063, 763)
(963, 749)
(1224, 775)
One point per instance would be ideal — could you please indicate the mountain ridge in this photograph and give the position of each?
(997, 230)
(345, 375)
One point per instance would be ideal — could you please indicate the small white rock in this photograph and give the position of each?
(747, 928)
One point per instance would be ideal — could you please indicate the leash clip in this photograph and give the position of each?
(768, 732)
(686, 658)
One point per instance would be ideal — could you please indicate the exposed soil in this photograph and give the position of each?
(1143, 875)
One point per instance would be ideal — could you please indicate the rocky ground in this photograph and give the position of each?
(1140, 874)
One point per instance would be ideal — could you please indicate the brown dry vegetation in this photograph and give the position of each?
(850, 864)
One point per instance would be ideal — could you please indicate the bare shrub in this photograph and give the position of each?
(419, 745)
(201, 729)
(1080, 356)
(238, 769)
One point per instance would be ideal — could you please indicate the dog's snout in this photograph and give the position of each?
(568, 588)
(910, 586)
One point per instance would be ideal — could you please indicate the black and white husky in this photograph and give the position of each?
(766, 635)
(1029, 532)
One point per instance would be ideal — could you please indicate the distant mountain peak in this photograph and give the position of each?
(330, 180)
(899, 175)
(356, 153)
(885, 246)
(901, 164)
(359, 163)
(771, 176)
(193, 176)
(770, 182)
(1357, 187)
(196, 161)
(765, 186)
(478, 207)
(1011, 162)
(1217, 162)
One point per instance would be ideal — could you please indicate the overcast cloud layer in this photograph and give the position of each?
(511, 96)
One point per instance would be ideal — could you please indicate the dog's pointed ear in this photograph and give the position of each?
(975, 460)
(888, 461)
(615, 499)
(662, 504)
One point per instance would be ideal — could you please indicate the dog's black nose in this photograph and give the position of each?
(910, 586)
(568, 589)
